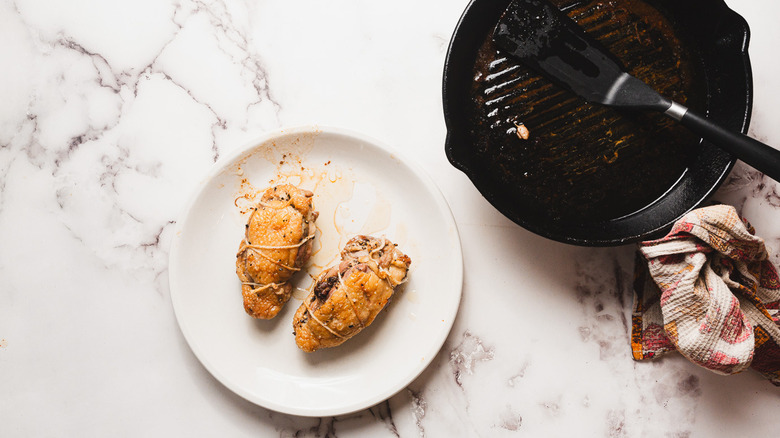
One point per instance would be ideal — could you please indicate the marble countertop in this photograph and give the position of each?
(113, 112)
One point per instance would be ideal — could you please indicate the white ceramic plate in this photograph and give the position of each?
(361, 187)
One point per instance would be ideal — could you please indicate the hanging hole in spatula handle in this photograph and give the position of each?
(759, 155)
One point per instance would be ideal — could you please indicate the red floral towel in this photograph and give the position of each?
(708, 290)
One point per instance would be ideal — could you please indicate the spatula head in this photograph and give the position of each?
(547, 40)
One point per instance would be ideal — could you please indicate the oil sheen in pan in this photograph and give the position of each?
(586, 162)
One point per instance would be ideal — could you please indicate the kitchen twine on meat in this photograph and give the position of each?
(257, 249)
(374, 266)
(708, 290)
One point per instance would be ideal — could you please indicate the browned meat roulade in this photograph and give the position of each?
(277, 243)
(347, 297)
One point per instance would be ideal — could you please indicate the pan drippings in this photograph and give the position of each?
(577, 160)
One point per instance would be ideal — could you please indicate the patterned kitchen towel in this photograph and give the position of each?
(708, 290)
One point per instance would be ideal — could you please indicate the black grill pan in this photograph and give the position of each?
(588, 174)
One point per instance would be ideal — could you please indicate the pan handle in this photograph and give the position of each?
(759, 155)
(455, 151)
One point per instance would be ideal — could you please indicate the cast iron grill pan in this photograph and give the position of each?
(588, 174)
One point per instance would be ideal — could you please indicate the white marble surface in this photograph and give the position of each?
(113, 111)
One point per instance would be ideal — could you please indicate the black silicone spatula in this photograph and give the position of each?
(547, 40)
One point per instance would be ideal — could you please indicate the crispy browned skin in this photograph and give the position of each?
(277, 243)
(339, 308)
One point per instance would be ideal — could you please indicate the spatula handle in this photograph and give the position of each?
(759, 155)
